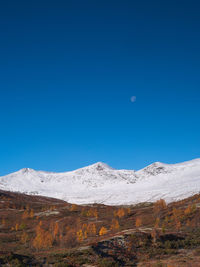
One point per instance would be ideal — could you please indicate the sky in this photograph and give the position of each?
(88, 81)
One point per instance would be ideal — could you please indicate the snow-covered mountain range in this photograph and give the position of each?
(99, 183)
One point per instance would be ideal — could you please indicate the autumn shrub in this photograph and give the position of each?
(119, 213)
(43, 238)
(159, 205)
(103, 231)
(138, 222)
(114, 225)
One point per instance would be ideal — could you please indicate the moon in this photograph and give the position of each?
(133, 99)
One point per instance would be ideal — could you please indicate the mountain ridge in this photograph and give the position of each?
(189, 162)
(100, 183)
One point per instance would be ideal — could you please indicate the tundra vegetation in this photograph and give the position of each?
(41, 231)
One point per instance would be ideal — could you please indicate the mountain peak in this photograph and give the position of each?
(155, 169)
(99, 166)
(26, 170)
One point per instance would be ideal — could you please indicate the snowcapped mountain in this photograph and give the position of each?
(99, 183)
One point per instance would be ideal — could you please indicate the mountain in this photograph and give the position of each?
(99, 183)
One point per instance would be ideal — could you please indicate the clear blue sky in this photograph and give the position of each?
(68, 70)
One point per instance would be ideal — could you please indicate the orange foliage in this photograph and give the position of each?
(3, 221)
(119, 213)
(84, 226)
(16, 227)
(24, 238)
(43, 239)
(31, 215)
(83, 212)
(25, 214)
(28, 213)
(95, 213)
(103, 231)
(114, 225)
(159, 205)
(56, 229)
(154, 235)
(92, 213)
(85, 234)
(80, 235)
(188, 210)
(138, 222)
(128, 210)
(176, 213)
(74, 207)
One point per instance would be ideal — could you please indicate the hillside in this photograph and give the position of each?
(99, 183)
(41, 231)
